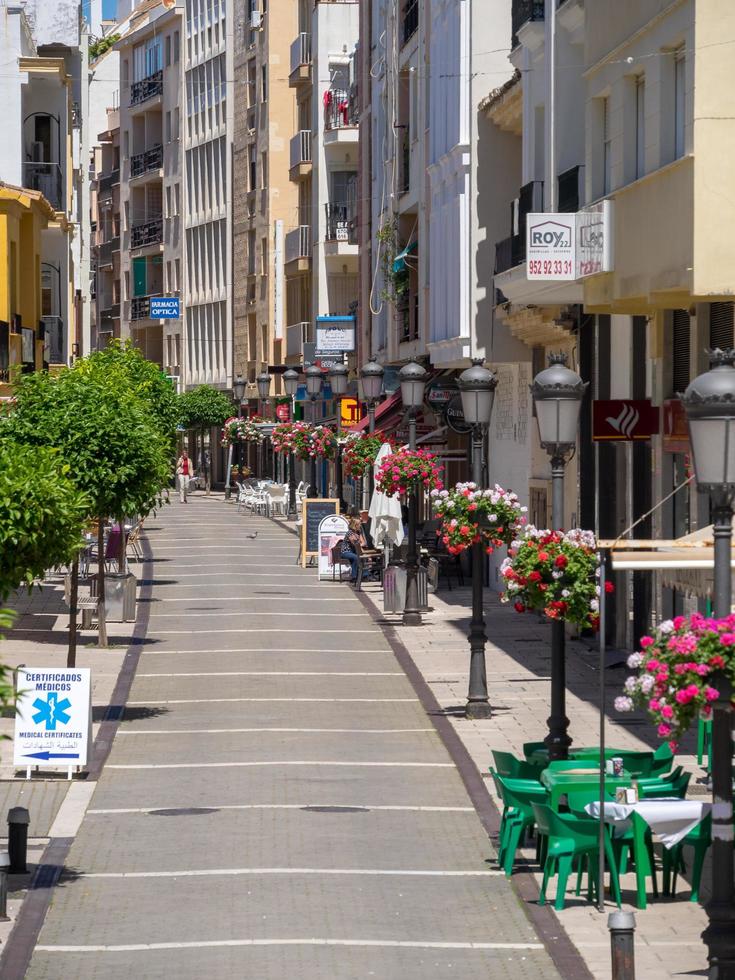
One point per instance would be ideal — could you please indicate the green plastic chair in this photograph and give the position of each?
(530, 747)
(664, 787)
(561, 765)
(508, 766)
(699, 839)
(704, 741)
(663, 759)
(519, 795)
(509, 813)
(572, 839)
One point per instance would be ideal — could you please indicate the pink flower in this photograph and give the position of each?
(667, 711)
(727, 639)
(646, 641)
(711, 694)
(679, 622)
(664, 730)
(654, 705)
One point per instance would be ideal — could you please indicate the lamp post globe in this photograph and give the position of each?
(413, 378)
(238, 388)
(371, 375)
(314, 381)
(338, 379)
(291, 382)
(557, 394)
(477, 389)
(709, 402)
(263, 382)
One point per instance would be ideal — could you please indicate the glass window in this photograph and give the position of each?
(679, 102)
(606, 147)
(640, 126)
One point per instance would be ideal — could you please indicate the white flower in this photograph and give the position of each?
(492, 517)
(646, 682)
(630, 685)
(556, 574)
(635, 660)
(513, 586)
(594, 605)
(565, 593)
(667, 626)
(623, 703)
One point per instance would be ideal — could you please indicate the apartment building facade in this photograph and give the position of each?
(207, 135)
(151, 182)
(321, 245)
(265, 200)
(106, 292)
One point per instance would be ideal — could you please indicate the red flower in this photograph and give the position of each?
(609, 587)
(534, 576)
(561, 561)
(519, 607)
(543, 556)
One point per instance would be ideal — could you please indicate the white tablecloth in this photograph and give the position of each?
(670, 819)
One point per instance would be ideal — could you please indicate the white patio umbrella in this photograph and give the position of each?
(386, 525)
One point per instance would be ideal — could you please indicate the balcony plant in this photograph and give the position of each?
(677, 667)
(469, 514)
(555, 573)
(361, 450)
(404, 471)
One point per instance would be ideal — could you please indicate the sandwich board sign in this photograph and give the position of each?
(52, 717)
(331, 530)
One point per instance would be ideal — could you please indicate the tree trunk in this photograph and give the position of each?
(71, 653)
(101, 612)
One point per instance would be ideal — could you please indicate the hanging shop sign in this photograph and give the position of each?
(335, 335)
(283, 412)
(349, 410)
(551, 246)
(165, 308)
(624, 420)
(594, 252)
(454, 416)
(441, 392)
(331, 530)
(52, 716)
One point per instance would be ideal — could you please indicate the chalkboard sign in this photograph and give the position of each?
(314, 511)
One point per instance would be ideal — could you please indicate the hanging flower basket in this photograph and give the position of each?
(304, 440)
(468, 515)
(679, 668)
(361, 450)
(404, 470)
(556, 573)
(244, 430)
(283, 437)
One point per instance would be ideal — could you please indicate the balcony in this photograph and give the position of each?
(410, 22)
(340, 116)
(106, 182)
(146, 88)
(296, 336)
(571, 189)
(140, 308)
(46, 178)
(148, 233)
(108, 316)
(407, 310)
(341, 223)
(298, 248)
(404, 178)
(53, 330)
(300, 147)
(300, 60)
(105, 250)
(142, 163)
(524, 12)
(508, 253)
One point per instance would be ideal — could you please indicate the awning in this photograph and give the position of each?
(387, 414)
(399, 262)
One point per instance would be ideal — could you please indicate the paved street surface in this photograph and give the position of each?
(277, 802)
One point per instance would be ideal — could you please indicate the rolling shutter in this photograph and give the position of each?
(680, 375)
(721, 325)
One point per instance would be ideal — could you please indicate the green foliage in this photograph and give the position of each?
(204, 408)
(105, 433)
(395, 283)
(124, 361)
(42, 515)
(100, 45)
(7, 693)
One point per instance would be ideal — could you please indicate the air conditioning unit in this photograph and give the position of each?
(256, 20)
(38, 151)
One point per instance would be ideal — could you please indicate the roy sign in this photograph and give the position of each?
(561, 246)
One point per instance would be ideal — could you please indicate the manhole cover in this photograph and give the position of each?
(190, 811)
(336, 809)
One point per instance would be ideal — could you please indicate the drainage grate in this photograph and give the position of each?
(191, 811)
(336, 809)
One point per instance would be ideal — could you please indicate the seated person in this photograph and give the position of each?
(353, 540)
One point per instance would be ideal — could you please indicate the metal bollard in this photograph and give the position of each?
(622, 944)
(4, 864)
(18, 820)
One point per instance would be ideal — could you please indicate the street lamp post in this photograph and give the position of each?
(291, 385)
(709, 402)
(338, 381)
(371, 387)
(263, 381)
(557, 393)
(413, 380)
(314, 381)
(238, 389)
(477, 389)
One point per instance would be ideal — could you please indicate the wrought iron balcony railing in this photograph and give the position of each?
(151, 159)
(146, 88)
(148, 233)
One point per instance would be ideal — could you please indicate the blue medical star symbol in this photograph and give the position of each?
(52, 711)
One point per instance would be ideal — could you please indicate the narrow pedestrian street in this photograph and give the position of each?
(277, 802)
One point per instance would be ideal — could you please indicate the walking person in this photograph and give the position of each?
(183, 475)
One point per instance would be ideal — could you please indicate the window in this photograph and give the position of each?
(679, 102)
(177, 46)
(264, 169)
(175, 127)
(169, 209)
(263, 83)
(681, 342)
(168, 126)
(640, 126)
(606, 148)
(264, 256)
(253, 181)
(168, 50)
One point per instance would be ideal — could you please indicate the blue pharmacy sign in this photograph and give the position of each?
(164, 308)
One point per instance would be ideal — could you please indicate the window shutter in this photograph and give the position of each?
(682, 347)
(721, 325)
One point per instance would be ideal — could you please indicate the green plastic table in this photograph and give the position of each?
(560, 783)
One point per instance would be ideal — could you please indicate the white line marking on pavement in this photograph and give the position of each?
(262, 630)
(217, 943)
(287, 806)
(284, 673)
(71, 812)
(368, 872)
(265, 764)
(288, 700)
(300, 731)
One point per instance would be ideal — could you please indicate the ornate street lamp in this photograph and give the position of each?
(263, 381)
(557, 393)
(291, 386)
(413, 380)
(709, 402)
(338, 381)
(314, 381)
(477, 389)
(371, 378)
(238, 390)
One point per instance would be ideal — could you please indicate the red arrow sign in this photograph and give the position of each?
(624, 420)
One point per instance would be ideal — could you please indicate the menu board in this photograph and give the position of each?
(315, 509)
